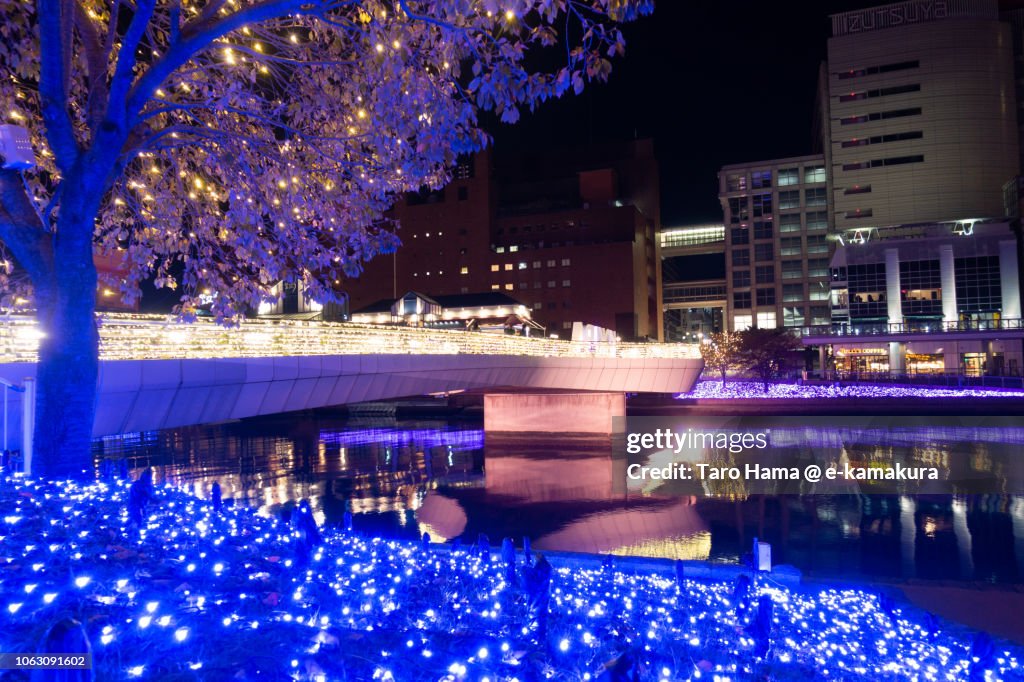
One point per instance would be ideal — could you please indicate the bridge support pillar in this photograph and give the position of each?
(589, 413)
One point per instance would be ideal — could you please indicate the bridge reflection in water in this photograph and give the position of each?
(403, 479)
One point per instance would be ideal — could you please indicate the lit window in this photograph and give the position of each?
(566, 261)
(508, 266)
(464, 270)
(500, 249)
(509, 287)
(495, 287)
(495, 267)
(513, 249)
(522, 265)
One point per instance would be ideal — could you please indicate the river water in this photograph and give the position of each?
(405, 478)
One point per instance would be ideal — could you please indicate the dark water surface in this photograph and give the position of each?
(403, 478)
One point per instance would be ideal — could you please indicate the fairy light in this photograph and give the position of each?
(368, 588)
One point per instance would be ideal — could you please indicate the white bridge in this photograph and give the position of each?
(158, 373)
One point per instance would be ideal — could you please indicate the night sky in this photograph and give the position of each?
(712, 82)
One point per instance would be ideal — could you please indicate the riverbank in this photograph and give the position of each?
(201, 594)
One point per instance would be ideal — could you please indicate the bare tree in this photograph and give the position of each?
(230, 144)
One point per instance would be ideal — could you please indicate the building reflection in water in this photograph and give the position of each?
(444, 480)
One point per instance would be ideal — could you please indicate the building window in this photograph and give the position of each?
(817, 196)
(814, 174)
(764, 252)
(495, 287)
(858, 213)
(817, 220)
(766, 319)
(817, 243)
(892, 161)
(495, 267)
(818, 267)
(880, 116)
(866, 285)
(741, 278)
(820, 315)
(522, 265)
(792, 293)
(791, 246)
(879, 92)
(872, 70)
(792, 269)
(736, 182)
(789, 176)
(508, 266)
(765, 274)
(509, 286)
(551, 284)
(566, 283)
(500, 249)
(739, 235)
(792, 316)
(524, 285)
(789, 199)
(551, 263)
(819, 292)
(742, 322)
(880, 139)
(536, 285)
(566, 262)
(538, 305)
(464, 270)
(921, 287)
(741, 299)
(762, 205)
(765, 297)
(978, 287)
(740, 257)
(738, 210)
(761, 179)
(763, 229)
(857, 189)
(789, 223)
(536, 263)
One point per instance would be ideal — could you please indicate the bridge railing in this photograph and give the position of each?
(156, 337)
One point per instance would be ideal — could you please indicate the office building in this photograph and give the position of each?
(930, 298)
(922, 116)
(777, 247)
(572, 236)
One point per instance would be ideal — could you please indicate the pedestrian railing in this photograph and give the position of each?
(151, 337)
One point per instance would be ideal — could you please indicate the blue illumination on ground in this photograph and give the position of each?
(745, 390)
(233, 595)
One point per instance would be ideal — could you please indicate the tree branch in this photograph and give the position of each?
(20, 229)
(124, 73)
(53, 80)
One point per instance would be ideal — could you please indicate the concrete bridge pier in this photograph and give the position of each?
(581, 413)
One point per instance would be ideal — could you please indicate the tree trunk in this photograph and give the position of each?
(68, 366)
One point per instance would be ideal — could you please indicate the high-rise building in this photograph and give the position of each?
(922, 117)
(921, 138)
(571, 235)
(777, 248)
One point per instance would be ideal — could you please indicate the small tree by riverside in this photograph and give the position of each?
(226, 145)
(720, 352)
(763, 351)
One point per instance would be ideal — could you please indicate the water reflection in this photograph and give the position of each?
(447, 480)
